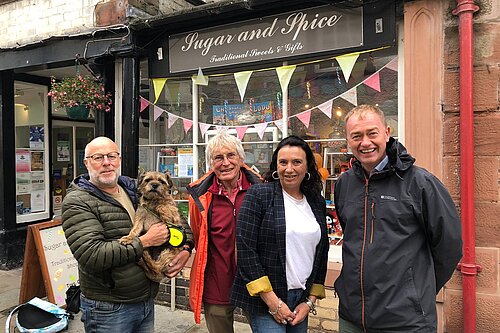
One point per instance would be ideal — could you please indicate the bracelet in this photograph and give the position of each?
(312, 306)
(187, 248)
(273, 313)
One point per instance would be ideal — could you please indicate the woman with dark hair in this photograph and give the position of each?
(282, 243)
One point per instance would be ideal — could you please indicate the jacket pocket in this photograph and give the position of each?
(411, 292)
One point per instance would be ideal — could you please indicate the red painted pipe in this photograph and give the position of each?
(465, 11)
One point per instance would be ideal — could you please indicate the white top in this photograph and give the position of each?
(302, 237)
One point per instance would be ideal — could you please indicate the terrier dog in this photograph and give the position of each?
(156, 205)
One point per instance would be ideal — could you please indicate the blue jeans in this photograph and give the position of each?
(107, 317)
(266, 324)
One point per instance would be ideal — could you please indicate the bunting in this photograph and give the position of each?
(261, 129)
(158, 85)
(284, 75)
(326, 108)
(346, 63)
(304, 117)
(373, 81)
(200, 79)
(157, 112)
(171, 119)
(351, 96)
(144, 104)
(240, 130)
(279, 124)
(188, 123)
(204, 128)
(393, 64)
(242, 79)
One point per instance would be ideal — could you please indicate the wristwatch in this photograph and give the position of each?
(187, 248)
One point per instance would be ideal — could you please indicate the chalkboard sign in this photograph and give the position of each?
(49, 267)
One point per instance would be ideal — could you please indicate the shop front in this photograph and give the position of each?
(262, 79)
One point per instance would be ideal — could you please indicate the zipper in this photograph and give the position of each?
(363, 258)
(373, 222)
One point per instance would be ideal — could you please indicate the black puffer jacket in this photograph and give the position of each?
(93, 222)
(402, 241)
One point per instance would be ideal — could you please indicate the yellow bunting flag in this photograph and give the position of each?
(242, 79)
(158, 85)
(284, 75)
(346, 63)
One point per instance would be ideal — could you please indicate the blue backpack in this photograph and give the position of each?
(37, 316)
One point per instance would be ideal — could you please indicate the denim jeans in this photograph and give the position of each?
(266, 324)
(107, 317)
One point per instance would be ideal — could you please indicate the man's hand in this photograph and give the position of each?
(178, 263)
(157, 235)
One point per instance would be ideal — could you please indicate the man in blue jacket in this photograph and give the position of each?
(402, 233)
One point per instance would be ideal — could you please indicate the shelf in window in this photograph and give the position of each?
(181, 200)
(177, 177)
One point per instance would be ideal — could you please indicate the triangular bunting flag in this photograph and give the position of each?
(144, 103)
(242, 79)
(393, 64)
(351, 96)
(171, 119)
(326, 108)
(157, 112)
(187, 124)
(284, 75)
(346, 63)
(204, 128)
(373, 81)
(304, 117)
(279, 124)
(261, 129)
(200, 79)
(158, 85)
(240, 130)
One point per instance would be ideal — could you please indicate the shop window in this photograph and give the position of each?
(31, 141)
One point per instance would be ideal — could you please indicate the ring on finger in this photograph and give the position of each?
(283, 322)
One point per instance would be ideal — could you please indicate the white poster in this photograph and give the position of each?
(37, 201)
(23, 182)
(38, 181)
(185, 162)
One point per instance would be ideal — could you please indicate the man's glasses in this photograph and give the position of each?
(217, 159)
(99, 158)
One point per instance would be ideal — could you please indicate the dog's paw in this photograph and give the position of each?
(126, 240)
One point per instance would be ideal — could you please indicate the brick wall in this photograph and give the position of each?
(486, 161)
(26, 22)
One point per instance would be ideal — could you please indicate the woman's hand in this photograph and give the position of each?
(277, 308)
(301, 312)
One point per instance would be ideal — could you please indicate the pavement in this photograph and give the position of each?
(166, 320)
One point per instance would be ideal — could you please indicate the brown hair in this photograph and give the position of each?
(361, 110)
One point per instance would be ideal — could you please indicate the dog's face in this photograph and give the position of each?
(154, 185)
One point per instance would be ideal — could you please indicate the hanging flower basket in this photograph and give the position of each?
(80, 91)
(79, 112)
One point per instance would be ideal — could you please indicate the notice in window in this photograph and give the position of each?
(185, 162)
(23, 163)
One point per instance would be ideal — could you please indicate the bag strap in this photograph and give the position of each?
(7, 323)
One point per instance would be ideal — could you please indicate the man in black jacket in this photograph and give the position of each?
(402, 233)
(97, 211)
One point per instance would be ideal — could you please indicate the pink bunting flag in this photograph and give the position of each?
(157, 112)
(326, 108)
(373, 81)
(279, 124)
(204, 128)
(171, 119)
(261, 129)
(240, 130)
(144, 104)
(305, 117)
(187, 124)
(393, 64)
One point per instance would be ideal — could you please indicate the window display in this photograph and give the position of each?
(32, 167)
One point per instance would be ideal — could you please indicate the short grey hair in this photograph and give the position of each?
(361, 111)
(224, 139)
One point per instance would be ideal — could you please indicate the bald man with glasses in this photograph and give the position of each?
(97, 211)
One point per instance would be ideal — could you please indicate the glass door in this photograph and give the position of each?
(68, 152)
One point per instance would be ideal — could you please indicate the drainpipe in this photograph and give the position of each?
(465, 11)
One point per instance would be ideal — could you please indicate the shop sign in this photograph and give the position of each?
(307, 31)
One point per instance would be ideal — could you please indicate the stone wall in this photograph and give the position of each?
(486, 160)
